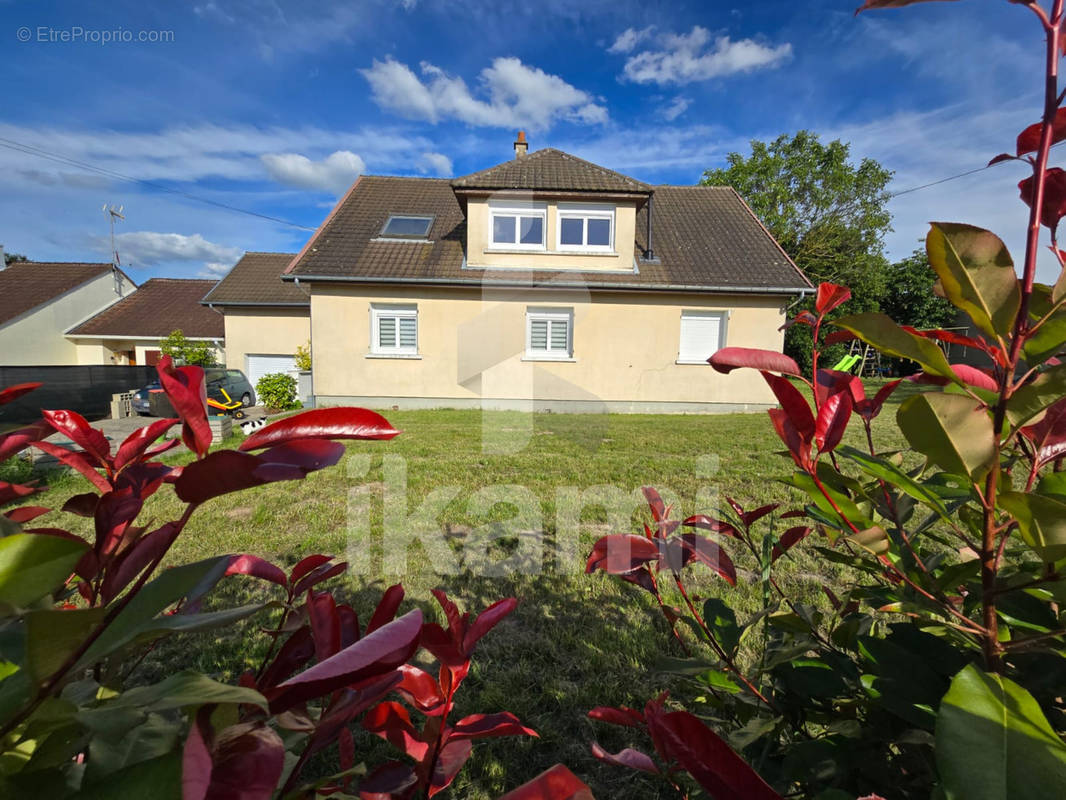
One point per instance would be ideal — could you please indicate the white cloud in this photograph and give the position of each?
(512, 95)
(629, 38)
(678, 106)
(334, 173)
(437, 163)
(685, 58)
(150, 248)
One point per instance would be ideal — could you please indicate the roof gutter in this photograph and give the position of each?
(226, 303)
(555, 284)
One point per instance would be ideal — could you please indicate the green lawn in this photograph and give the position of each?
(576, 641)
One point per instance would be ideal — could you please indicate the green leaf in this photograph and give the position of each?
(888, 337)
(953, 431)
(977, 275)
(186, 688)
(890, 473)
(1032, 398)
(722, 622)
(155, 737)
(53, 634)
(994, 743)
(1048, 340)
(33, 565)
(158, 778)
(162, 592)
(1041, 521)
(804, 482)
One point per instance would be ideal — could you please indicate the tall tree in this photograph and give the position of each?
(829, 214)
(12, 258)
(909, 297)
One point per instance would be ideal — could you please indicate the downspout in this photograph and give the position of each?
(310, 336)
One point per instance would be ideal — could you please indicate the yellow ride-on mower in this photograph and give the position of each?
(227, 405)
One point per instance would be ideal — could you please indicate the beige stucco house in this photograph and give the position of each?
(130, 330)
(266, 318)
(41, 301)
(543, 283)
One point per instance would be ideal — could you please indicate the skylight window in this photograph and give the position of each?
(406, 226)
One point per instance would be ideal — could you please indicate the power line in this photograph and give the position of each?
(31, 150)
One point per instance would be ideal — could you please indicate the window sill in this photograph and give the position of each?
(518, 251)
(557, 359)
(696, 362)
(402, 356)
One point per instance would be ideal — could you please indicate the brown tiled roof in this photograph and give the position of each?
(705, 238)
(256, 280)
(550, 169)
(27, 284)
(159, 307)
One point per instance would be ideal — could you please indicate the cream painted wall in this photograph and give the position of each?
(472, 346)
(478, 253)
(114, 351)
(264, 331)
(36, 338)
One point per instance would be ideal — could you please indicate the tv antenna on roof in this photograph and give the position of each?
(113, 214)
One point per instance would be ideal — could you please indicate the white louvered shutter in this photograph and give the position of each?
(701, 334)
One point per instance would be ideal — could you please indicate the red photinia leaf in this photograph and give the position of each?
(323, 423)
(830, 295)
(325, 624)
(793, 403)
(749, 518)
(382, 651)
(655, 503)
(628, 717)
(78, 430)
(346, 749)
(349, 621)
(892, 4)
(456, 620)
(307, 564)
(706, 757)
(13, 491)
(868, 409)
(486, 621)
(971, 375)
(633, 759)
(731, 358)
(19, 439)
(1049, 434)
(196, 758)
(421, 690)
(188, 395)
(143, 478)
(831, 381)
(391, 722)
(133, 560)
(557, 783)
(836, 337)
(15, 392)
(698, 548)
(1029, 139)
(1054, 207)
(227, 471)
(619, 553)
(1000, 159)
(833, 419)
(787, 540)
(450, 760)
(247, 761)
(257, 567)
(317, 576)
(391, 781)
(711, 524)
(802, 318)
(798, 447)
(134, 446)
(442, 646)
(951, 337)
(76, 461)
(387, 607)
(297, 651)
(24, 514)
(349, 704)
(114, 512)
(487, 726)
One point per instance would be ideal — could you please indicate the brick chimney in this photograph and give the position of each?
(520, 145)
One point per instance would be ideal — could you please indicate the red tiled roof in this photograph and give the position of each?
(256, 280)
(159, 307)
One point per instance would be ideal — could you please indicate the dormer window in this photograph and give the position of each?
(407, 226)
(517, 227)
(586, 228)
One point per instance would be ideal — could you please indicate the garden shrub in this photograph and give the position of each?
(277, 390)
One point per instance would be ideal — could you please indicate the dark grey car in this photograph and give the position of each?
(233, 381)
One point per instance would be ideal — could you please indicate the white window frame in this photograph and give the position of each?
(585, 212)
(723, 325)
(518, 210)
(550, 315)
(379, 311)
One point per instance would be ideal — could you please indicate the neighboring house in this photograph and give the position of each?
(129, 332)
(266, 319)
(40, 301)
(543, 283)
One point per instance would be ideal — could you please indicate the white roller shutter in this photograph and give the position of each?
(701, 335)
(261, 365)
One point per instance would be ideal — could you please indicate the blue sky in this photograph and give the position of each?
(275, 106)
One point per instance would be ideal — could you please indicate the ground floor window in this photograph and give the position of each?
(702, 333)
(549, 333)
(394, 330)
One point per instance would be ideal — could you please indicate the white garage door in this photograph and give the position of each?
(261, 365)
